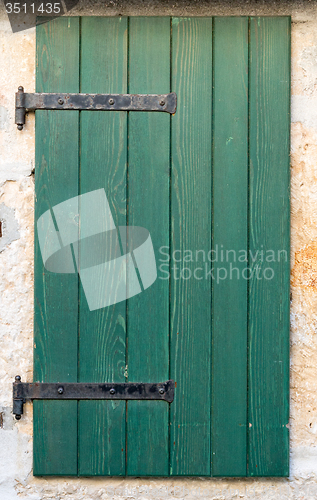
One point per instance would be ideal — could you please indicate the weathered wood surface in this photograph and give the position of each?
(56, 295)
(148, 206)
(269, 229)
(230, 235)
(103, 164)
(191, 207)
(214, 175)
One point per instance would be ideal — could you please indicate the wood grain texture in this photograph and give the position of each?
(269, 231)
(230, 227)
(148, 206)
(225, 344)
(102, 333)
(56, 295)
(191, 230)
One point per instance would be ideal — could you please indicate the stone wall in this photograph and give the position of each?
(17, 63)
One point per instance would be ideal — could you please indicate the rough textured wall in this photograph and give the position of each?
(17, 63)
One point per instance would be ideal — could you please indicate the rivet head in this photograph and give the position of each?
(20, 127)
(111, 102)
(20, 89)
(18, 378)
(60, 101)
(112, 391)
(60, 390)
(18, 417)
(161, 390)
(162, 103)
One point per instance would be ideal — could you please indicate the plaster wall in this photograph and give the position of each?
(17, 63)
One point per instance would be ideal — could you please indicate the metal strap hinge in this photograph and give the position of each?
(91, 102)
(24, 391)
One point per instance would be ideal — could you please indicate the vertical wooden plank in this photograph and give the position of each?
(148, 202)
(269, 235)
(103, 165)
(230, 244)
(56, 295)
(191, 232)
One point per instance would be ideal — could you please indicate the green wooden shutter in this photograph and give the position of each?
(211, 185)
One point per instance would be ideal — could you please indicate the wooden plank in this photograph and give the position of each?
(102, 356)
(191, 231)
(270, 233)
(230, 226)
(56, 295)
(148, 207)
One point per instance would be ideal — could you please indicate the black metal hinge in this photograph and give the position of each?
(24, 391)
(92, 102)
